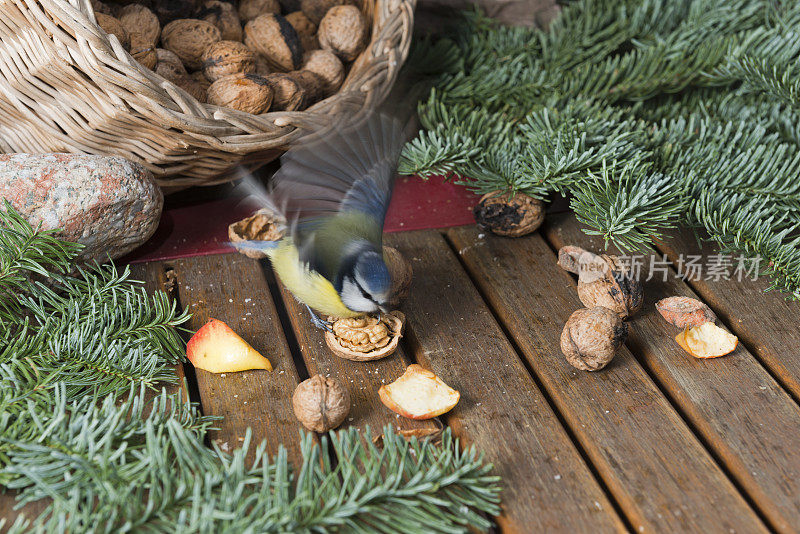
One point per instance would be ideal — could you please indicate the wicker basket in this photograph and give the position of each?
(66, 86)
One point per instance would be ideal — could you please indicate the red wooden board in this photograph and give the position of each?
(201, 227)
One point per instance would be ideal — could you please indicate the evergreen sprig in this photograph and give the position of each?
(85, 424)
(650, 113)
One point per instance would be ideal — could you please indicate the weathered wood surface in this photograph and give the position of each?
(232, 288)
(363, 379)
(661, 475)
(766, 322)
(746, 418)
(547, 487)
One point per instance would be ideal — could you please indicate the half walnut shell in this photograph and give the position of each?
(261, 226)
(507, 215)
(366, 338)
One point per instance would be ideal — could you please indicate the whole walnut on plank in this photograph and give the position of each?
(227, 57)
(320, 403)
(224, 16)
(188, 39)
(251, 9)
(591, 337)
(250, 93)
(113, 26)
(343, 31)
(273, 37)
(137, 19)
(329, 67)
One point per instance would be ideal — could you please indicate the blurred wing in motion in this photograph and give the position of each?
(336, 187)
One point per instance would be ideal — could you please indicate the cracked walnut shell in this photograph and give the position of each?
(261, 226)
(366, 338)
(509, 216)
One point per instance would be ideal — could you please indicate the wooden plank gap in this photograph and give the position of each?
(743, 416)
(545, 393)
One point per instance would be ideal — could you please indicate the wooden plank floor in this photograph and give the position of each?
(656, 442)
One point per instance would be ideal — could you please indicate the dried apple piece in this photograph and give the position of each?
(707, 341)
(685, 311)
(418, 394)
(218, 349)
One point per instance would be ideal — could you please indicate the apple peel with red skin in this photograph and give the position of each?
(218, 349)
(418, 394)
(707, 341)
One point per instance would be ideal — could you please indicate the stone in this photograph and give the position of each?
(107, 203)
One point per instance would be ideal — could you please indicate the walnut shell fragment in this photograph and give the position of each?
(591, 337)
(511, 217)
(320, 403)
(605, 281)
(261, 226)
(685, 312)
(365, 338)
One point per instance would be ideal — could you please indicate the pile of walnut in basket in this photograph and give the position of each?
(253, 55)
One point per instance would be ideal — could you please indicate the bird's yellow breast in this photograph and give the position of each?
(309, 287)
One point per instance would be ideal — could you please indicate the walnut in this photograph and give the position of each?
(201, 80)
(262, 65)
(343, 31)
(591, 337)
(113, 26)
(143, 51)
(188, 39)
(170, 67)
(250, 9)
(274, 38)
(250, 93)
(224, 16)
(604, 281)
(320, 403)
(366, 338)
(100, 7)
(315, 10)
(306, 29)
(169, 10)
(137, 19)
(227, 57)
(261, 226)
(312, 84)
(327, 66)
(288, 94)
(400, 272)
(510, 216)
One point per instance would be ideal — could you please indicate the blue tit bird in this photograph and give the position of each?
(333, 193)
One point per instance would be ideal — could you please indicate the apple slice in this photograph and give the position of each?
(218, 349)
(707, 341)
(418, 394)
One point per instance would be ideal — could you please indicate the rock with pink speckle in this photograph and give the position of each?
(107, 203)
